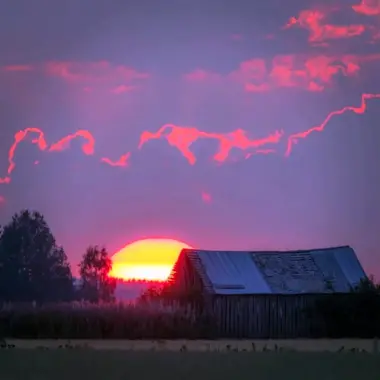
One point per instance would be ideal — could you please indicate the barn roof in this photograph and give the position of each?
(309, 271)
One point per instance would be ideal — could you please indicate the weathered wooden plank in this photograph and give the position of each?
(263, 316)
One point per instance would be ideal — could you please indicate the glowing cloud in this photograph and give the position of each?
(181, 138)
(368, 7)
(293, 139)
(86, 76)
(121, 162)
(320, 31)
(311, 73)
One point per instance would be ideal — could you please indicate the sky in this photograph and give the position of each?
(223, 124)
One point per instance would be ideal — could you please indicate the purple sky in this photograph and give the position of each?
(118, 69)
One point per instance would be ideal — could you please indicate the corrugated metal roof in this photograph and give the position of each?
(331, 270)
(233, 273)
(312, 271)
(350, 265)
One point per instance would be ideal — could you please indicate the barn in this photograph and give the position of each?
(264, 294)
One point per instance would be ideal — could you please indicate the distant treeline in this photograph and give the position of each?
(33, 268)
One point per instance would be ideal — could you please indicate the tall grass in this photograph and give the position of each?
(80, 320)
(347, 315)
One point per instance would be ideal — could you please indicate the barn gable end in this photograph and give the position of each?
(185, 277)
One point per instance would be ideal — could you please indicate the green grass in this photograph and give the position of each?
(87, 364)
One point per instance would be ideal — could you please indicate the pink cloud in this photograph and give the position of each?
(206, 197)
(123, 160)
(118, 90)
(320, 30)
(17, 68)
(368, 7)
(88, 76)
(309, 73)
(93, 72)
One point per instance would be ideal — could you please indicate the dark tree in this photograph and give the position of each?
(94, 269)
(32, 266)
(355, 314)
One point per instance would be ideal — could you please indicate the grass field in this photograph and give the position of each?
(108, 360)
(320, 345)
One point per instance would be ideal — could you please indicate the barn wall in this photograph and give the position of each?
(185, 282)
(264, 316)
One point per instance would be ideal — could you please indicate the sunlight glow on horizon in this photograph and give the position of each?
(147, 259)
(139, 272)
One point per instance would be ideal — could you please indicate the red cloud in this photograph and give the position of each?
(121, 162)
(320, 31)
(309, 73)
(182, 138)
(368, 7)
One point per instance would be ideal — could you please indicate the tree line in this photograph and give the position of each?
(34, 268)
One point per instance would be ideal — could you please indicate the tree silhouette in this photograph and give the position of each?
(32, 266)
(354, 314)
(94, 269)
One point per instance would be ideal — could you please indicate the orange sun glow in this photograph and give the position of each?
(148, 259)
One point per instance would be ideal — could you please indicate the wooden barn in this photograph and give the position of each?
(264, 294)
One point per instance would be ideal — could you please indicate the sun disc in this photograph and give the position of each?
(147, 259)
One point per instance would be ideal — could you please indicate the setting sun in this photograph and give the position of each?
(148, 259)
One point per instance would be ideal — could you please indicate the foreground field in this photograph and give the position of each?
(19, 364)
(319, 345)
